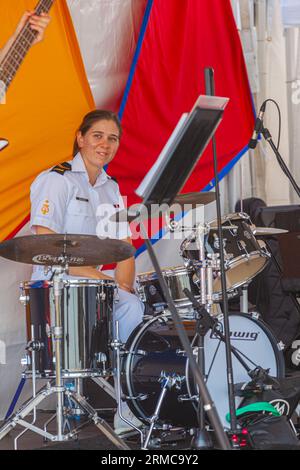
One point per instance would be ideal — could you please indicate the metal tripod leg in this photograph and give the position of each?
(155, 417)
(168, 381)
(105, 386)
(18, 418)
(99, 422)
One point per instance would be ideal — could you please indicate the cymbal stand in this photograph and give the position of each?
(58, 336)
(244, 299)
(59, 389)
(33, 362)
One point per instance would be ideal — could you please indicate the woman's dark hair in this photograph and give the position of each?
(90, 119)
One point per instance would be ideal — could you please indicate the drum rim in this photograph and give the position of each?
(225, 218)
(231, 216)
(239, 261)
(167, 272)
(67, 283)
(269, 333)
(132, 340)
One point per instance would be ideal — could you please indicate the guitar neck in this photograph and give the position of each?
(14, 57)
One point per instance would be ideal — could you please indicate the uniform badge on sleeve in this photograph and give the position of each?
(46, 207)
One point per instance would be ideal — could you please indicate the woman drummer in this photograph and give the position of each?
(70, 198)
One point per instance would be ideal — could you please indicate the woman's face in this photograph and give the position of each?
(100, 143)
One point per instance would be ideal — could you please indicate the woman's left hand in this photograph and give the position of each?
(38, 23)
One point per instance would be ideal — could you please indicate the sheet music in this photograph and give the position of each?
(157, 167)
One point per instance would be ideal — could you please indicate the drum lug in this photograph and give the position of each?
(163, 319)
(183, 398)
(25, 360)
(180, 352)
(242, 246)
(141, 293)
(265, 252)
(138, 352)
(255, 315)
(24, 299)
(139, 397)
(101, 359)
(101, 296)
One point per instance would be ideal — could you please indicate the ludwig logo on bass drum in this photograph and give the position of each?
(242, 335)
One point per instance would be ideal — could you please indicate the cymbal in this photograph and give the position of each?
(261, 231)
(79, 250)
(195, 199)
(140, 212)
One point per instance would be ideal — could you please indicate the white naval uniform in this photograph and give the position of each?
(68, 203)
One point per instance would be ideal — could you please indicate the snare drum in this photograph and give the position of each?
(86, 311)
(177, 279)
(245, 257)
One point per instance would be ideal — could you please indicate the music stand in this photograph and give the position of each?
(183, 150)
(161, 185)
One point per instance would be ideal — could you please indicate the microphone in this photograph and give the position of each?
(3, 143)
(258, 126)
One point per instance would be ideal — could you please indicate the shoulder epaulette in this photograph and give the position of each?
(113, 178)
(61, 168)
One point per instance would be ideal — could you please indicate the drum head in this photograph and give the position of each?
(240, 271)
(257, 347)
(154, 348)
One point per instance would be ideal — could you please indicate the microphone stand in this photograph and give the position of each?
(208, 404)
(267, 136)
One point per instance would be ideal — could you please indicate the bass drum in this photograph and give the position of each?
(154, 349)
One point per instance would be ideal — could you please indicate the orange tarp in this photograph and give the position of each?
(44, 106)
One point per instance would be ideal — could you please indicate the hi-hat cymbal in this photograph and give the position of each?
(138, 212)
(261, 231)
(58, 249)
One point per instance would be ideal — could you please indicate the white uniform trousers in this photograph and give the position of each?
(128, 311)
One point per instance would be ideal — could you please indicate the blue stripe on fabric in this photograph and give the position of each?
(226, 169)
(135, 57)
(210, 186)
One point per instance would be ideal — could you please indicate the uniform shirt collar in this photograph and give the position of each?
(79, 166)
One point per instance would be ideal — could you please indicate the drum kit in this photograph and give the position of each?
(71, 335)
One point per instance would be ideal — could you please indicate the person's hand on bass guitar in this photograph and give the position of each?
(37, 23)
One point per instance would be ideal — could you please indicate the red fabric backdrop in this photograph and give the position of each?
(181, 39)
